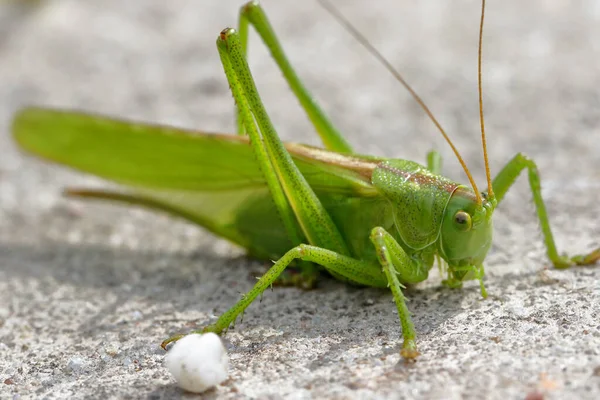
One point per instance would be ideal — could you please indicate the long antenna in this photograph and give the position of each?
(483, 141)
(346, 24)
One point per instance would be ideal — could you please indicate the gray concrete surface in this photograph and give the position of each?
(88, 291)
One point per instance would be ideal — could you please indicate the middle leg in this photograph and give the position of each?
(399, 265)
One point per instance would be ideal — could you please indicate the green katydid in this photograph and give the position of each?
(367, 220)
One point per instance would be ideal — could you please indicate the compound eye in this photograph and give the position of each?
(462, 220)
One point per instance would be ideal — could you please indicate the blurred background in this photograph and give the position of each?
(157, 62)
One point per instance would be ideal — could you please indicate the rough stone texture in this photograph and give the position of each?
(88, 291)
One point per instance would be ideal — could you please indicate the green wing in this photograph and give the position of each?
(210, 179)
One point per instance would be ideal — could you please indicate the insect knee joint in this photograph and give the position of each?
(246, 8)
(377, 233)
(300, 250)
(524, 157)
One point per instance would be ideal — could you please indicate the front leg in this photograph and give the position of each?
(505, 179)
(397, 264)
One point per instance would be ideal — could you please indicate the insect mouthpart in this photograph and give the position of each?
(464, 271)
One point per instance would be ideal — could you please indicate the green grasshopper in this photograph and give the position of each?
(366, 220)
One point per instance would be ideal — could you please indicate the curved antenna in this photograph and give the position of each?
(359, 37)
(483, 141)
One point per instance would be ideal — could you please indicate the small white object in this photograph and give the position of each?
(198, 362)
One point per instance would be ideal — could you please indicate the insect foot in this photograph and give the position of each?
(170, 340)
(580, 260)
(213, 328)
(409, 350)
(210, 328)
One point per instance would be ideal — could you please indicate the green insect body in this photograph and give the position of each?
(367, 220)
